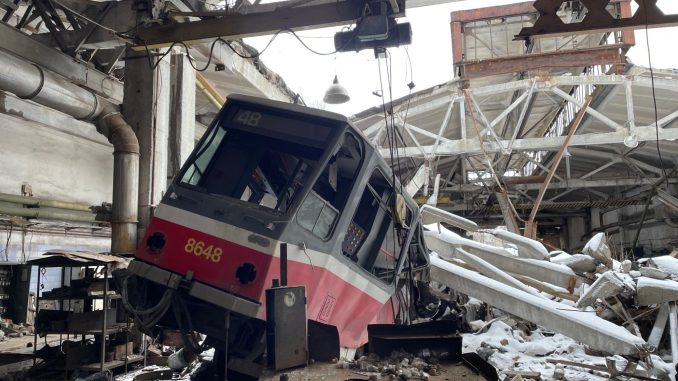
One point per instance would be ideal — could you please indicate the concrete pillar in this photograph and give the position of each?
(595, 218)
(576, 228)
(146, 108)
(182, 113)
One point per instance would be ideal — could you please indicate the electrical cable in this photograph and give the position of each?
(149, 317)
(390, 137)
(393, 147)
(9, 237)
(654, 99)
(230, 46)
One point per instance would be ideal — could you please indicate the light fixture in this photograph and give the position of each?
(631, 140)
(336, 93)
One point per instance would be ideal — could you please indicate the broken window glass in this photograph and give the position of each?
(322, 207)
(249, 167)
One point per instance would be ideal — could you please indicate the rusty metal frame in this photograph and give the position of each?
(596, 20)
(604, 55)
(530, 227)
(613, 54)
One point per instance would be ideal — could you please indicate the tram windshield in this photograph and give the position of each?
(252, 165)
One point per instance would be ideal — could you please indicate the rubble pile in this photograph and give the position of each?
(9, 329)
(611, 307)
(538, 354)
(398, 366)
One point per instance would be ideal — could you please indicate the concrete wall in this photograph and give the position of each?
(58, 163)
(655, 237)
(61, 158)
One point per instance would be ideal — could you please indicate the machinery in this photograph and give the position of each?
(267, 173)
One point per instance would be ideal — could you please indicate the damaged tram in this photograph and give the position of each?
(265, 173)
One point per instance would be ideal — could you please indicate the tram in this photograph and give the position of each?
(266, 173)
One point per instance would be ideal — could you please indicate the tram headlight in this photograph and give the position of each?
(156, 242)
(246, 273)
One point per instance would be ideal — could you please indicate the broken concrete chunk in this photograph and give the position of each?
(653, 273)
(527, 248)
(625, 266)
(607, 285)
(665, 263)
(635, 273)
(495, 273)
(655, 291)
(447, 242)
(579, 263)
(598, 249)
(432, 215)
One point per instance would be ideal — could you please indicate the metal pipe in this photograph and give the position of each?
(49, 214)
(125, 182)
(42, 202)
(29, 81)
(210, 92)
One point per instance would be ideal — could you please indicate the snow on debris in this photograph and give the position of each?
(527, 248)
(510, 349)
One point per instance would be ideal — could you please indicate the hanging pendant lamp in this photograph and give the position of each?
(336, 93)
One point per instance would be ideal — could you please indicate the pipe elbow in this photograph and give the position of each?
(118, 132)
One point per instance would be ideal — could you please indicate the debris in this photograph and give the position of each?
(659, 326)
(432, 215)
(598, 249)
(582, 326)
(536, 376)
(654, 273)
(655, 291)
(600, 368)
(398, 364)
(181, 359)
(527, 247)
(626, 266)
(445, 242)
(493, 272)
(665, 263)
(579, 263)
(607, 285)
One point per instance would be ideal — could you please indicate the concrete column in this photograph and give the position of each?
(182, 113)
(146, 108)
(595, 218)
(576, 228)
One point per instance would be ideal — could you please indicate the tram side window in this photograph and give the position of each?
(203, 157)
(252, 168)
(373, 240)
(322, 207)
